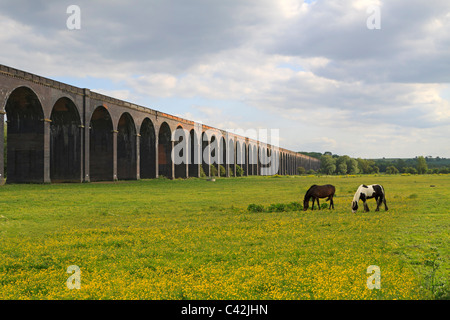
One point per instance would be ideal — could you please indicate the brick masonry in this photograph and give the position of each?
(125, 119)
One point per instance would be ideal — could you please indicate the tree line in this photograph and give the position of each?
(336, 164)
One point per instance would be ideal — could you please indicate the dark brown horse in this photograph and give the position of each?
(316, 192)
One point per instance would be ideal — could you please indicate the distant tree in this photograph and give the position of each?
(421, 166)
(342, 168)
(328, 164)
(411, 170)
(444, 170)
(392, 170)
(316, 155)
(301, 170)
(367, 166)
(362, 165)
(400, 164)
(352, 166)
(341, 164)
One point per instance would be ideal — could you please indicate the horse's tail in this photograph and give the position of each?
(382, 190)
(333, 193)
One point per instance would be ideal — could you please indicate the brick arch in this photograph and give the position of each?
(180, 153)
(101, 154)
(126, 148)
(147, 149)
(65, 142)
(25, 136)
(165, 167)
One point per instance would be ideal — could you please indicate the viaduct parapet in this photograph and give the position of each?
(61, 133)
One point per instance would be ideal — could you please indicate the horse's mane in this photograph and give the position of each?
(307, 192)
(357, 193)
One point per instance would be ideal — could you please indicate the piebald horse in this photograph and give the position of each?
(368, 192)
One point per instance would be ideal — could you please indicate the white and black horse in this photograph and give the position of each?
(368, 192)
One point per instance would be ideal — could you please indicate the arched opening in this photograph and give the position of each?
(206, 155)
(280, 162)
(255, 161)
(272, 161)
(223, 156)
(214, 152)
(126, 148)
(285, 167)
(101, 145)
(147, 150)
(25, 137)
(238, 151)
(165, 151)
(194, 154)
(288, 165)
(276, 158)
(244, 159)
(65, 142)
(181, 156)
(250, 159)
(263, 160)
(260, 160)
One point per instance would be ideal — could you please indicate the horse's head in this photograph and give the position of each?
(354, 206)
(305, 204)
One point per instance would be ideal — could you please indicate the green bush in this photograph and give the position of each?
(277, 207)
(239, 171)
(222, 170)
(213, 170)
(392, 170)
(202, 172)
(324, 206)
(255, 207)
(301, 170)
(295, 206)
(411, 170)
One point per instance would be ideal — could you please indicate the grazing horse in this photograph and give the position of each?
(315, 192)
(368, 192)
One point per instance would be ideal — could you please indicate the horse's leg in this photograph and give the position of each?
(331, 202)
(385, 205)
(366, 207)
(378, 200)
(318, 204)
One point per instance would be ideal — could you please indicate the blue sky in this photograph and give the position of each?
(311, 69)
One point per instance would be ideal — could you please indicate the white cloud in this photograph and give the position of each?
(306, 68)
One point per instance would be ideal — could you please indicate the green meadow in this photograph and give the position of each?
(196, 239)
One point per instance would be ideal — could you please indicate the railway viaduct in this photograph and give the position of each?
(61, 133)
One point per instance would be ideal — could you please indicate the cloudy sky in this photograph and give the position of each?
(312, 69)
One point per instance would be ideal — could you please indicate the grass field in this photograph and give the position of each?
(195, 239)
